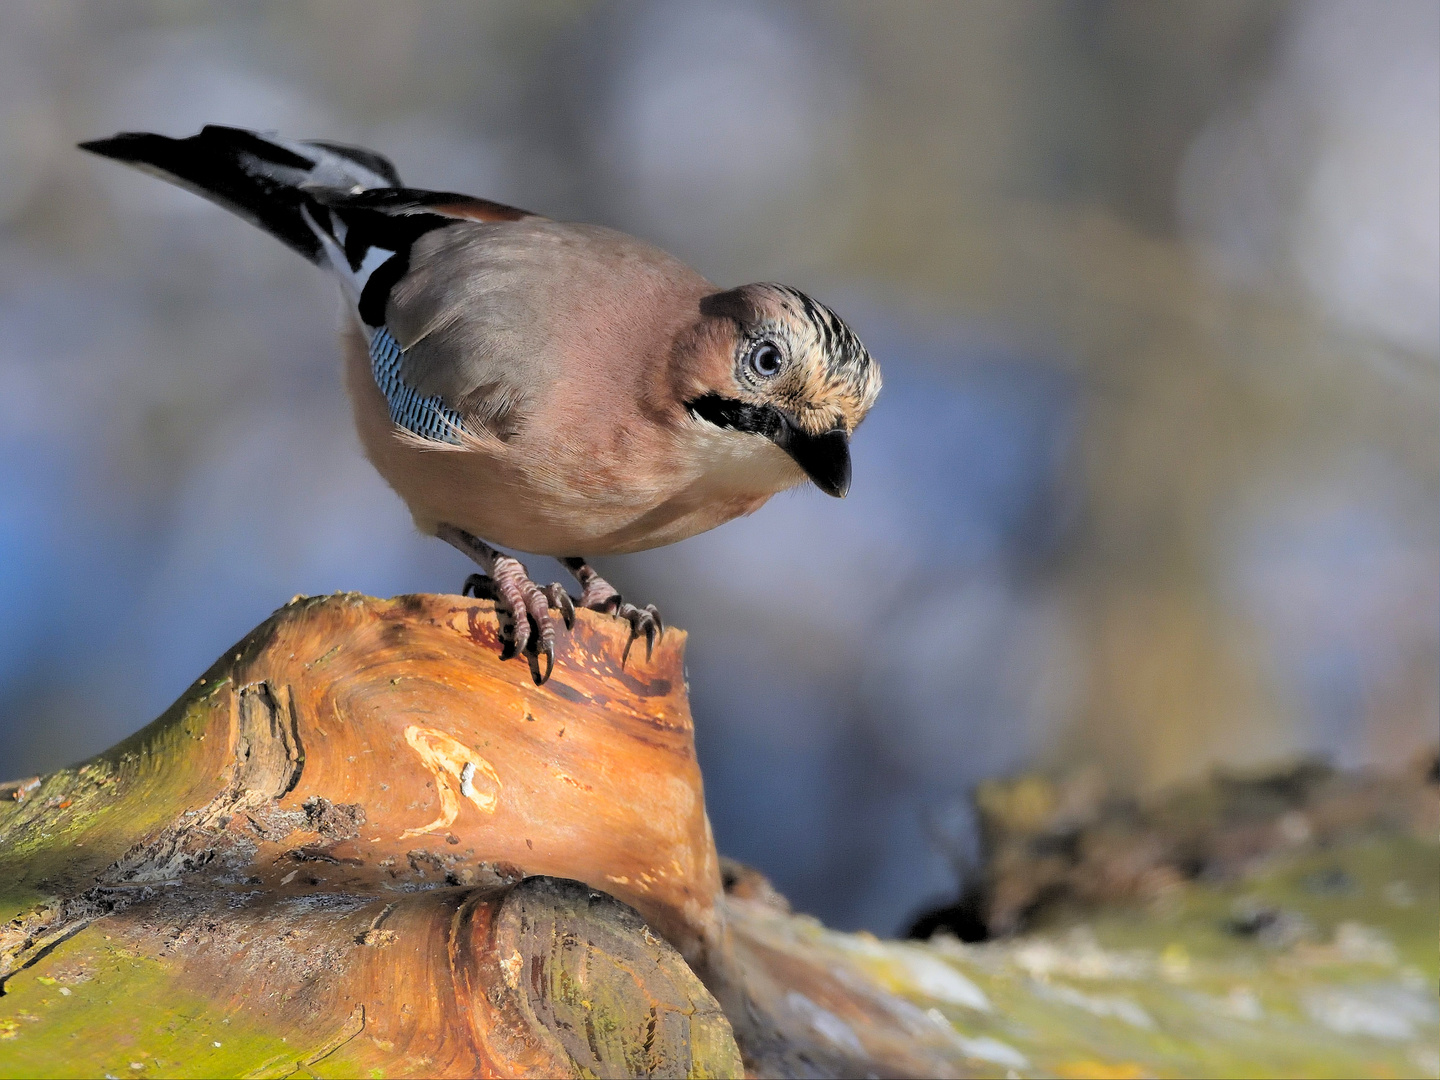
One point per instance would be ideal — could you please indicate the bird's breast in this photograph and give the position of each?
(583, 482)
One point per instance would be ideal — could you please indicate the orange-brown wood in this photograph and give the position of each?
(364, 841)
(361, 821)
(404, 708)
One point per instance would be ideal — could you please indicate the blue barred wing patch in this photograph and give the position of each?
(427, 417)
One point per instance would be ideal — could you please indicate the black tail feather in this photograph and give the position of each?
(336, 205)
(260, 178)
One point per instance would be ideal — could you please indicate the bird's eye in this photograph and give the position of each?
(764, 360)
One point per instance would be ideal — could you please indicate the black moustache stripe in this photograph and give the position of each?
(738, 415)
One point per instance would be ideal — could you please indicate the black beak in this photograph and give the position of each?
(825, 457)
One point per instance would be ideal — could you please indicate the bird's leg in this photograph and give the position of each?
(597, 594)
(507, 583)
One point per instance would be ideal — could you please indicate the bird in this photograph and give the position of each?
(549, 387)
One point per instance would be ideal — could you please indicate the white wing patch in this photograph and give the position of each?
(331, 239)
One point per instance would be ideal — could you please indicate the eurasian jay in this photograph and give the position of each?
(552, 387)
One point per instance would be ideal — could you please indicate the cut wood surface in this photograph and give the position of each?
(363, 842)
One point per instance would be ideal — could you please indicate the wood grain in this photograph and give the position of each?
(363, 844)
(357, 818)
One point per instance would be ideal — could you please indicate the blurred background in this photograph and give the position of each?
(1152, 487)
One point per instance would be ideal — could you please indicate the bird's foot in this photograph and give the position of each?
(597, 594)
(526, 603)
(506, 582)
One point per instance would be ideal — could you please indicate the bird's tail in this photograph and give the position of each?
(340, 206)
(278, 184)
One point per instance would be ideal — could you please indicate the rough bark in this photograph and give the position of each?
(363, 843)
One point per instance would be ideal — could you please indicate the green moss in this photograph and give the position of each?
(90, 1009)
(17, 901)
(81, 819)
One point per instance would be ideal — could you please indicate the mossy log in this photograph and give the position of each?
(364, 844)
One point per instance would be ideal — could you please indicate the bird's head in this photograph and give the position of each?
(792, 372)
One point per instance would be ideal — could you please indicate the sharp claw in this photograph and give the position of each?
(599, 595)
(560, 600)
(522, 631)
(644, 621)
(531, 631)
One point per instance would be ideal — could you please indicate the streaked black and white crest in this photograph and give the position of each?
(844, 352)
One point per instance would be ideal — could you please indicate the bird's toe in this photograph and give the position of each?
(644, 622)
(560, 601)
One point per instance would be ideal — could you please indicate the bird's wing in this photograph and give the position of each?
(368, 235)
(492, 315)
(374, 240)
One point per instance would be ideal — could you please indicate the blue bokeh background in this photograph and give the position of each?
(1151, 486)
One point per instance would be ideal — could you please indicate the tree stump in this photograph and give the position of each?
(362, 844)
(359, 842)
